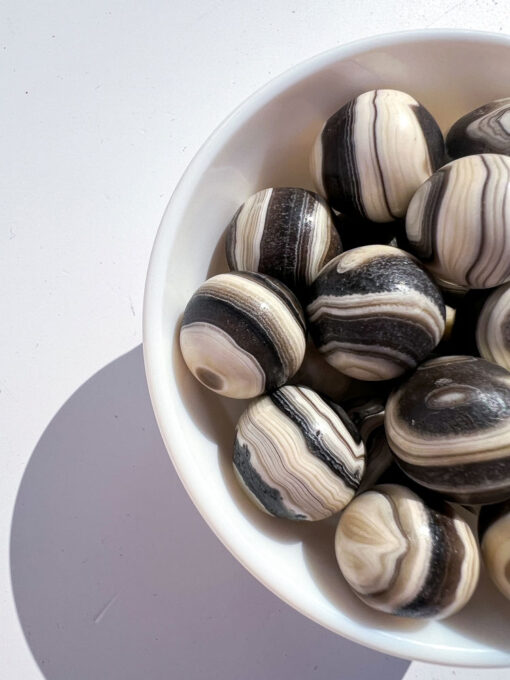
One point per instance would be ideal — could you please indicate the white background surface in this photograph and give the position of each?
(103, 105)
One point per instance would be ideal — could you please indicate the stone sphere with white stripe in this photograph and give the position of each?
(374, 312)
(494, 534)
(407, 557)
(493, 327)
(287, 233)
(458, 221)
(374, 152)
(449, 428)
(484, 130)
(243, 334)
(296, 456)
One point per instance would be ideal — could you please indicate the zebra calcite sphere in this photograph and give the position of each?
(375, 313)
(374, 152)
(494, 533)
(449, 427)
(243, 334)
(286, 233)
(405, 557)
(296, 457)
(484, 130)
(493, 327)
(459, 220)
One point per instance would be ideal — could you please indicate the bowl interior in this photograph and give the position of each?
(266, 142)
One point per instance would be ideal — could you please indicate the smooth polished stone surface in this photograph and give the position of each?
(449, 426)
(374, 312)
(374, 152)
(297, 457)
(493, 327)
(285, 232)
(405, 557)
(469, 196)
(484, 130)
(243, 334)
(494, 534)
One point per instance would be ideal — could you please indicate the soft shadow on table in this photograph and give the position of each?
(116, 575)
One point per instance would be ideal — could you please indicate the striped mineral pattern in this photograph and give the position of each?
(449, 427)
(373, 154)
(458, 221)
(375, 313)
(405, 557)
(287, 233)
(484, 130)
(243, 334)
(493, 327)
(296, 457)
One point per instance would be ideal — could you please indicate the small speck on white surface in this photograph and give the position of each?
(104, 103)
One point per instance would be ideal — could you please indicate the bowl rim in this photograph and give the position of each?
(165, 236)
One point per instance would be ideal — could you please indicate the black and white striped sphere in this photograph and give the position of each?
(494, 534)
(493, 327)
(484, 130)
(375, 313)
(374, 152)
(287, 233)
(449, 427)
(403, 556)
(459, 221)
(296, 457)
(243, 334)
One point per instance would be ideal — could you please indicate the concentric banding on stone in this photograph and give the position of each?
(243, 334)
(404, 557)
(459, 221)
(375, 313)
(286, 233)
(296, 457)
(494, 533)
(374, 152)
(484, 130)
(449, 427)
(493, 327)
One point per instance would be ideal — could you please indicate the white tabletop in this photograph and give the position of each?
(108, 572)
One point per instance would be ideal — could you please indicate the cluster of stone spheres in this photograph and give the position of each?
(369, 324)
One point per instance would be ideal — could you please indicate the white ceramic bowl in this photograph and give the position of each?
(266, 142)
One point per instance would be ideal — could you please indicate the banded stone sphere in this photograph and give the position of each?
(405, 557)
(374, 152)
(375, 313)
(296, 457)
(493, 327)
(484, 130)
(449, 428)
(494, 534)
(458, 221)
(287, 233)
(243, 334)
